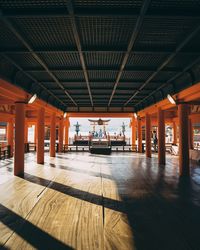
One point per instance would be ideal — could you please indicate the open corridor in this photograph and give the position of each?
(84, 201)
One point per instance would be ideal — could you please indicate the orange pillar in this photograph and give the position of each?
(35, 133)
(184, 166)
(40, 136)
(148, 135)
(174, 133)
(139, 130)
(133, 130)
(191, 134)
(161, 136)
(53, 135)
(10, 136)
(26, 131)
(67, 130)
(60, 135)
(19, 138)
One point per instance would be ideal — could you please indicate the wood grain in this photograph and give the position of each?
(81, 201)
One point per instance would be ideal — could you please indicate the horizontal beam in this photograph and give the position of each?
(55, 50)
(124, 13)
(102, 68)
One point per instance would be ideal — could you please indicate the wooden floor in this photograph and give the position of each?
(82, 201)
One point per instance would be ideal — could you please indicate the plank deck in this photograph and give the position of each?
(82, 201)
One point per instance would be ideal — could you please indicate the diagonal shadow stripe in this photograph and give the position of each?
(82, 171)
(77, 193)
(29, 232)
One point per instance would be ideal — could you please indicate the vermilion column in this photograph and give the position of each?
(26, 131)
(191, 134)
(40, 136)
(19, 138)
(35, 133)
(67, 131)
(174, 133)
(53, 135)
(184, 166)
(139, 130)
(60, 135)
(133, 131)
(161, 136)
(10, 133)
(148, 135)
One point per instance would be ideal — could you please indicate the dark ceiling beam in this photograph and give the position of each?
(38, 59)
(63, 12)
(32, 78)
(79, 47)
(134, 35)
(167, 60)
(188, 67)
(101, 68)
(92, 50)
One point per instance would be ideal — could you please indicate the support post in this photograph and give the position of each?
(19, 138)
(67, 132)
(139, 130)
(10, 132)
(133, 132)
(53, 135)
(174, 133)
(40, 136)
(161, 136)
(60, 135)
(184, 166)
(148, 135)
(26, 131)
(191, 134)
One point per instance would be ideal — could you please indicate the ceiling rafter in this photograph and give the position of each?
(79, 47)
(167, 60)
(134, 35)
(32, 78)
(39, 60)
(61, 12)
(97, 50)
(188, 67)
(104, 68)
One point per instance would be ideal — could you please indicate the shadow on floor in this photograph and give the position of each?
(81, 171)
(77, 193)
(29, 232)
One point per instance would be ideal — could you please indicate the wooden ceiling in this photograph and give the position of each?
(87, 55)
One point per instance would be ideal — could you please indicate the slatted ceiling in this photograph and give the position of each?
(135, 75)
(108, 4)
(129, 85)
(26, 61)
(103, 59)
(164, 33)
(194, 44)
(104, 28)
(103, 85)
(102, 74)
(171, 5)
(41, 76)
(38, 4)
(69, 75)
(7, 39)
(61, 59)
(145, 60)
(105, 31)
(181, 60)
(43, 32)
(164, 76)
